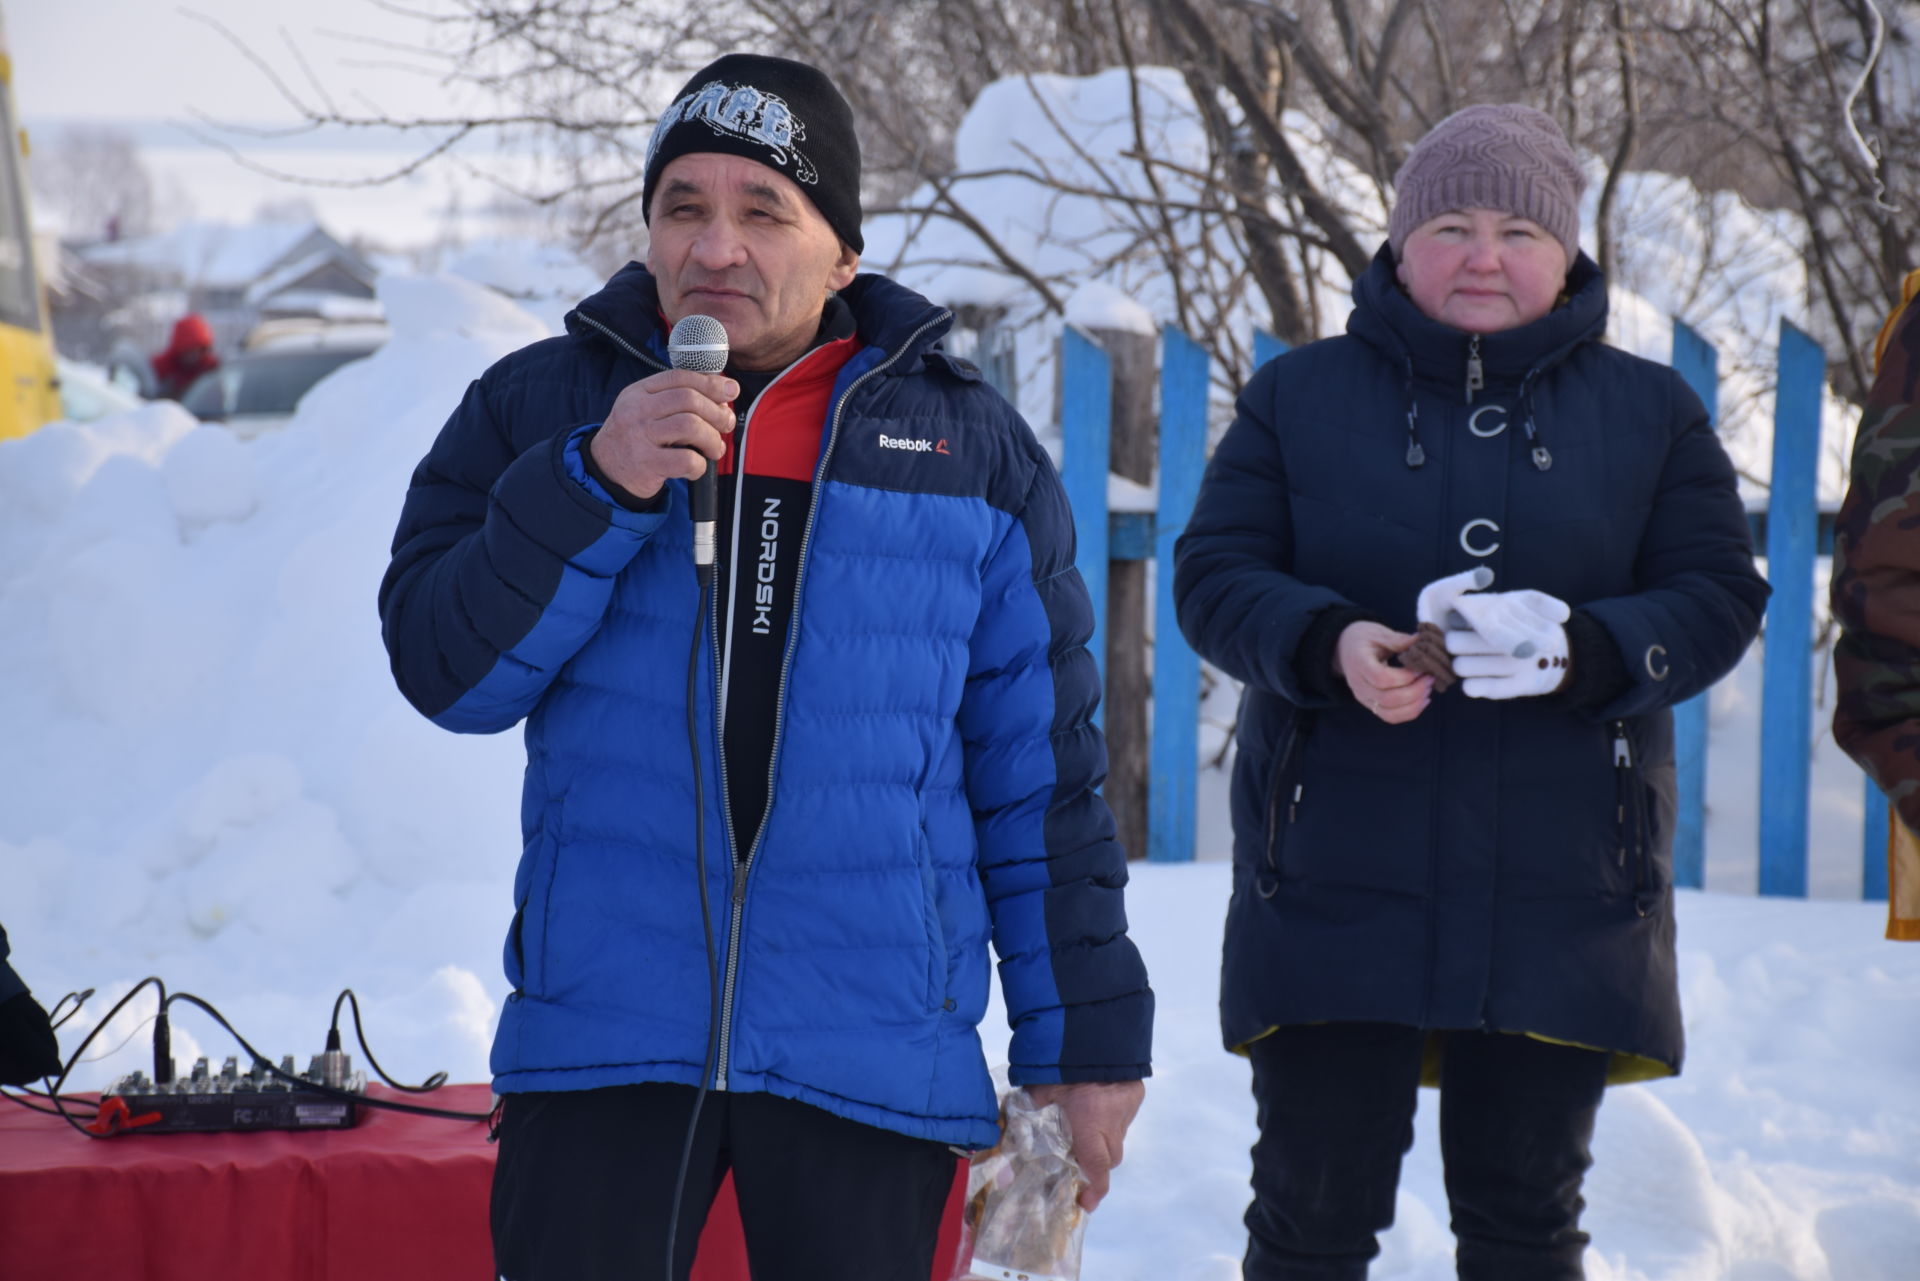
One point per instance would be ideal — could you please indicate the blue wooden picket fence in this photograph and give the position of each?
(1789, 531)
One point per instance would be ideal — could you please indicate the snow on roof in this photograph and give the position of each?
(211, 254)
(297, 270)
(1098, 305)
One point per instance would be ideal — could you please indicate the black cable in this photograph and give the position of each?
(79, 1099)
(67, 1071)
(11, 1097)
(59, 1100)
(433, 1082)
(704, 604)
(78, 998)
(319, 1087)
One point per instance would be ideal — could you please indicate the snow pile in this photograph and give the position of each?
(1734, 274)
(210, 773)
(544, 278)
(1047, 166)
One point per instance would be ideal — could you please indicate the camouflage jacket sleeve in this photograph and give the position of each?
(1876, 579)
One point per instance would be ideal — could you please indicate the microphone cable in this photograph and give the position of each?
(702, 608)
(699, 343)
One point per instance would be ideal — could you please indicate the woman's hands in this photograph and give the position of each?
(1394, 694)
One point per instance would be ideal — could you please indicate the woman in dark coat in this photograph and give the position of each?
(1471, 885)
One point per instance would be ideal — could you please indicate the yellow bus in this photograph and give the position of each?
(29, 383)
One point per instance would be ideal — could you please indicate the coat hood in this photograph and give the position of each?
(1386, 318)
(190, 331)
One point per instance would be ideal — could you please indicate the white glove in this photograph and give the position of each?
(1515, 645)
(1437, 598)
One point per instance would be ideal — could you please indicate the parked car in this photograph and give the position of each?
(257, 388)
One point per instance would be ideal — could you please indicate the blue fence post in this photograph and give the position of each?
(1086, 425)
(1786, 710)
(1174, 757)
(1266, 347)
(1873, 844)
(1695, 360)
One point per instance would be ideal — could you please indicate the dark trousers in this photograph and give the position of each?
(1336, 1104)
(583, 1187)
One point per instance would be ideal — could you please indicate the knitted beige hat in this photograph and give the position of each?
(1506, 157)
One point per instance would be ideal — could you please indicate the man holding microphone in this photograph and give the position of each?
(773, 814)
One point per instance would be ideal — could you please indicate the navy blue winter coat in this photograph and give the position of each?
(935, 763)
(1498, 865)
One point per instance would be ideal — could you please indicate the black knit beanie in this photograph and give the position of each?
(783, 114)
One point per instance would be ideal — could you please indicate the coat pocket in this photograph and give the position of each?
(936, 929)
(540, 864)
(1286, 792)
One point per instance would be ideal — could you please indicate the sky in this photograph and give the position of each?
(151, 59)
(201, 112)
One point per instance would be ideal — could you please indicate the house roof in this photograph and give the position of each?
(299, 269)
(218, 255)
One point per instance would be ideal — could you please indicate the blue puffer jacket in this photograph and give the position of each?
(1497, 865)
(935, 762)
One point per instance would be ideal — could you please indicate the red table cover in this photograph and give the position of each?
(396, 1198)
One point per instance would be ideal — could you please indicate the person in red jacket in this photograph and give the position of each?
(188, 355)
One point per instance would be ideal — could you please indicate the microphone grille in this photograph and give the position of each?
(698, 343)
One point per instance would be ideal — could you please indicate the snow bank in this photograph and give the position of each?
(213, 775)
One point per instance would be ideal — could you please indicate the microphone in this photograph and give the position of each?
(699, 343)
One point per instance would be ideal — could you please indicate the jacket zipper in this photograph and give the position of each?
(1476, 372)
(1282, 774)
(737, 896)
(620, 342)
(722, 673)
(1629, 809)
(780, 698)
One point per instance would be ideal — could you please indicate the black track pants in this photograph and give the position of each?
(584, 1184)
(1336, 1107)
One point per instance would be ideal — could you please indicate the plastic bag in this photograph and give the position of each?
(1023, 1220)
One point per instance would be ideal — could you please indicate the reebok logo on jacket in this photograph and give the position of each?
(912, 446)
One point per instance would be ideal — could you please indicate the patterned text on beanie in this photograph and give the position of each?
(784, 114)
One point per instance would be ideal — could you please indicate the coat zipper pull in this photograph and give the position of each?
(739, 883)
(1622, 763)
(1293, 807)
(1476, 372)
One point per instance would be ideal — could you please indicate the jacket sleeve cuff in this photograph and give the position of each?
(615, 491)
(570, 459)
(1313, 657)
(1597, 673)
(1078, 1074)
